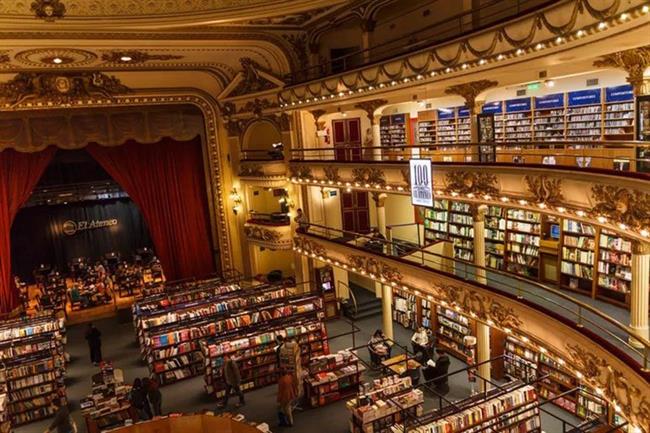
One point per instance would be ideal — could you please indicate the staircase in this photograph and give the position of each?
(367, 304)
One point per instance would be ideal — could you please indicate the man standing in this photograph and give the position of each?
(94, 338)
(233, 381)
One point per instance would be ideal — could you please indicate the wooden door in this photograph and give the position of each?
(355, 212)
(347, 139)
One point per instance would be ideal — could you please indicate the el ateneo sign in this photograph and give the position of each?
(71, 228)
(421, 182)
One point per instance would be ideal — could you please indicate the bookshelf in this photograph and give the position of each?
(380, 404)
(452, 328)
(577, 259)
(495, 236)
(404, 308)
(464, 127)
(584, 115)
(427, 127)
(614, 267)
(393, 130)
(254, 349)
(332, 377)
(436, 221)
(513, 410)
(446, 126)
(107, 406)
(619, 113)
(5, 421)
(549, 118)
(517, 121)
(523, 230)
(426, 313)
(461, 230)
(32, 360)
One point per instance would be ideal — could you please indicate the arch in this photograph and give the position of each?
(261, 135)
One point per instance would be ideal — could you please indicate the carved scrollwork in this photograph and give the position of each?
(469, 91)
(634, 62)
(309, 247)
(257, 106)
(369, 175)
(600, 374)
(375, 267)
(406, 175)
(332, 173)
(466, 182)
(630, 207)
(262, 234)
(251, 170)
(49, 10)
(545, 189)
(300, 171)
(136, 57)
(234, 128)
(370, 106)
(253, 79)
(4, 58)
(485, 308)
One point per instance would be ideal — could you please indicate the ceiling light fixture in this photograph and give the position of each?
(549, 83)
(126, 58)
(602, 25)
(57, 60)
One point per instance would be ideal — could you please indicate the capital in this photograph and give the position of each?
(470, 91)
(634, 62)
(370, 107)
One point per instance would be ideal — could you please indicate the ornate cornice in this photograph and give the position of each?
(308, 247)
(370, 176)
(251, 170)
(370, 107)
(49, 10)
(634, 62)
(483, 307)
(133, 57)
(300, 172)
(545, 190)
(332, 174)
(374, 268)
(628, 206)
(470, 91)
(471, 182)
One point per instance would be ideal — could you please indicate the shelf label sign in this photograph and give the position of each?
(493, 107)
(520, 104)
(619, 93)
(584, 97)
(421, 182)
(446, 113)
(549, 101)
(463, 112)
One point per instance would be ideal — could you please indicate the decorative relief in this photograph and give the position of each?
(464, 182)
(630, 207)
(406, 175)
(369, 176)
(332, 173)
(284, 122)
(256, 106)
(261, 234)
(298, 44)
(301, 171)
(485, 308)
(632, 401)
(49, 10)
(544, 189)
(634, 62)
(370, 107)
(4, 58)
(375, 267)
(251, 170)
(234, 128)
(309, 247)
(470, 91)
(55, 57)
(132, 57)
(59, 89)
(253, 78)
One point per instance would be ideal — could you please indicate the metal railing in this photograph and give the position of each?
(271, 154)
(550, 299)
(269, 219)
(479, 18)
(623, 156)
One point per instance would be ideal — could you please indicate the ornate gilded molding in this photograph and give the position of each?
(406, 175)
(545, 190)
(308, 246)
(59, 88)
(370, 107)
(298, 42)
(317, 115)
(374, 268)
(470, 91)
(464, 182)
(331, 173)
(234, 128)
(630, 207)
(372, 176)
(133, 57)
(251, 170)
(261, 233)
(257, 106)
(613, 384)
(254, 78)
(55, 57)
(49, 10)
(485, 308)
(634, 62)
(4, 58)
(300, 172)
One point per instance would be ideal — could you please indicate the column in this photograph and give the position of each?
(640, 290)
(386, 310)
(380, 201)
(301, 263)
(483, 354)
(367, 27)
(376, 138)
(479, 242)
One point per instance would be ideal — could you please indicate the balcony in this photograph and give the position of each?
(269, 230)
(264, 168)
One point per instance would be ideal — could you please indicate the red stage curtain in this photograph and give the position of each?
(166, 181)
(19, 174)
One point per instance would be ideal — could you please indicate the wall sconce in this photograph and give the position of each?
(236, 200)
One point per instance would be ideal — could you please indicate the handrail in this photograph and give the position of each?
(583, 155)
(352, 295)
(422, 39)
(271, 154)
(479, 273)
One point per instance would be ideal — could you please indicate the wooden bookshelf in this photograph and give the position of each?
(577, 256)
(523, 230)
(614, 268)
(404, 308)
(436, 221)
(451, 328)
(332, 378)
(461, 230)
(495, 235)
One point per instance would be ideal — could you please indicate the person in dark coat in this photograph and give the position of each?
(61, 422)
(155, 397)
(139, 401)
(94, 338)
(435, 373)
(232, 378)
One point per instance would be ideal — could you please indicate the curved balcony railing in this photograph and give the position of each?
(269, 219)
(618, 157)
(272, 154)
(439, 31)
(552, 301)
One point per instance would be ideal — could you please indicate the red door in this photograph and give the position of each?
(354, 211)
(347, 139)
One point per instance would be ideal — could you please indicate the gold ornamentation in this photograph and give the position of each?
(253, 79)
(59, 89)
(406, 175)
(49, 10)
(4, 58)
(132, 57)
(370, 107)
(634, 62)
(375, 268)
(298, 44)
(485, 308)
(630, 207)
(55, 57)
(470, 91)
(317, 115)
(308, 246)
(332, 173)
(261, 234)
(257, 105)
(234, 128)
(251, 170)
(464, 182)
(301, 172)
(368, 176)
(284, 122)
(545, 190)
(615, 386)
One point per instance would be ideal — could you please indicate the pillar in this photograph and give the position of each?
(639, 292)
(301, 263)
(367, 27)
(479, 242)
(483, 354)
(380, 201)
(376, 138)
(386, 310)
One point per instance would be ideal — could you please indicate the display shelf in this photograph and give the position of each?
(584, 115)
(614, 267)
(427, 132)
(436, 221)
(463, 125)
(619, 113)
(549, 118)
(446, 126)
(108, 405)
(332, 377)
(461, 230)
(425, 314)
(393, 130)
(495, 235)
(452, 327)
(404, 308)
(523, 230)
(577, 258)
